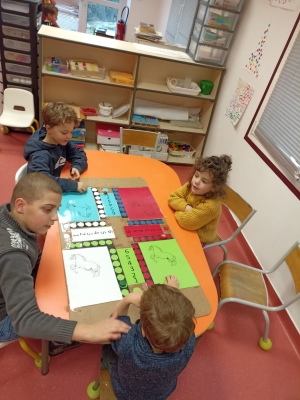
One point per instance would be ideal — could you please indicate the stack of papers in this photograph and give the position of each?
(147, 32)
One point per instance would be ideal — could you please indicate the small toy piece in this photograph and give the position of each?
(163, 237)
(105, 190)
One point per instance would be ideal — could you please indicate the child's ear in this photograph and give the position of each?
(19, 205)
(143, 333)
(48, 127)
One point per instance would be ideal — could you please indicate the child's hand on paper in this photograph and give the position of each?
(82, 187)
(75, 174)
(171, 280)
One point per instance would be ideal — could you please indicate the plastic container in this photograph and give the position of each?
(210, 55)
(16, 45)
(216, 37)
(15, 6)
(221, 19)
(89, 111)
(24, 80)
(235, 5)
(181, 149)
(13, 56)
(108, 134)
(177, 86)
(20, 69)
(57, 65)
(206, 87)
(15, 19)
(105, 109)
(15, 32)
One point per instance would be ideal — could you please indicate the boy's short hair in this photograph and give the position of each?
(167, 318)
(48, 8)
(57, 113)
(32, 187)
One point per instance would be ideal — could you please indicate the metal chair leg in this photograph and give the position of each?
(224, 251)
(265, 343)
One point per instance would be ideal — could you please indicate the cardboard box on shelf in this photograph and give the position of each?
(122, 78)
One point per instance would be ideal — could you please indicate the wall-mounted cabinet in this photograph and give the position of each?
(150, 71)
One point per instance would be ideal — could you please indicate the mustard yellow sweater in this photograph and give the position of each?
(204, 217)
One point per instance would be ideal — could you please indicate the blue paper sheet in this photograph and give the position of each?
(76, 207)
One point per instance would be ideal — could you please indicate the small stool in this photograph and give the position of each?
(104, 390)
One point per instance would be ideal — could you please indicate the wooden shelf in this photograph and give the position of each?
(162, 88)
(150, 72)
(105, 81)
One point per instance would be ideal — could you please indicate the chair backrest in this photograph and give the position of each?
(293, 262)
(133, 137)
(22, 171)
(18, 101)
(237, 204)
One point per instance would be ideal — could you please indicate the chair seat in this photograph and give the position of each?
(106, 389)
(243, 284)
(10, 119)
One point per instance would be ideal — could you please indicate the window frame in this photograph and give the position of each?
(251, 139)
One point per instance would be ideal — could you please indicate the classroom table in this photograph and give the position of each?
(51, 288)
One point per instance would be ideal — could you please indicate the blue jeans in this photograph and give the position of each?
(7, 331)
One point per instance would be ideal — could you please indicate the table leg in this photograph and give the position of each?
(45, 356)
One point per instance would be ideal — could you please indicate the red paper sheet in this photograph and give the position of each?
(143, 230)
(139, 203)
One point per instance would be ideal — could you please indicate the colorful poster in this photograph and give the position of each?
(254, 61)
(286, 4)
(239, 101)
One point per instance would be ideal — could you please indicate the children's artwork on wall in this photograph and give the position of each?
(286, 4)
(254, 61)
(239, 101)
(77, 207)
(90, 277)
(139, 203)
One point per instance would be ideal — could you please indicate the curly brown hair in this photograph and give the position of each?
(57, 113)
(167, 318)
(218, 167)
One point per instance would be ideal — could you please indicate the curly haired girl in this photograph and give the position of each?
(198, 203)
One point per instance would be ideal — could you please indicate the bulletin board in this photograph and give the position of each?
(115, 240)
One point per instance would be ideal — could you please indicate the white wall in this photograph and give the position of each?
(154, 12)
(276, 225)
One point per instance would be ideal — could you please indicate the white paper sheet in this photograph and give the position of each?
(88, 234)
(159, 110)
(90, 277)
(159, 50)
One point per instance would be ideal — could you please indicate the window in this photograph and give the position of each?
(99, 14)
(274, 132)
(68, 14)
(182, 14)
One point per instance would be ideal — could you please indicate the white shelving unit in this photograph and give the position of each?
(150, 70)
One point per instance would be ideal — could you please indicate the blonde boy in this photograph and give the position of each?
(32, 211)
(48, 149)
(50, 13)
(145, 363)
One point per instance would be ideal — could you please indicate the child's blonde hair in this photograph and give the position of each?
(32, 187)
(218, 167)
(167, 318)
(57, 113)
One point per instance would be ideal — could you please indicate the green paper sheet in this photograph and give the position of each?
(130, 265)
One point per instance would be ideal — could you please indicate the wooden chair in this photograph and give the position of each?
(133, 137)
(37, 357)
(243, 284)
(102, 387)
(243, 213)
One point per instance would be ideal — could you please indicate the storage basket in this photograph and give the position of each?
(177, 86)
(181, 149)
(105, 109)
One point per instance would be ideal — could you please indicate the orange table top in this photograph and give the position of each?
(51, 288)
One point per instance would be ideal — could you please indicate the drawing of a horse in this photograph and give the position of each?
(83, 211)
(81, 262)
(158, 253)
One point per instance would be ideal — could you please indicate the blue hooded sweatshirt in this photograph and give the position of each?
(49, 159)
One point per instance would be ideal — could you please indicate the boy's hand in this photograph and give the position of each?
(81, 188)
(171, 280)
(99, 332)
(75, 174)
(188, 208)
